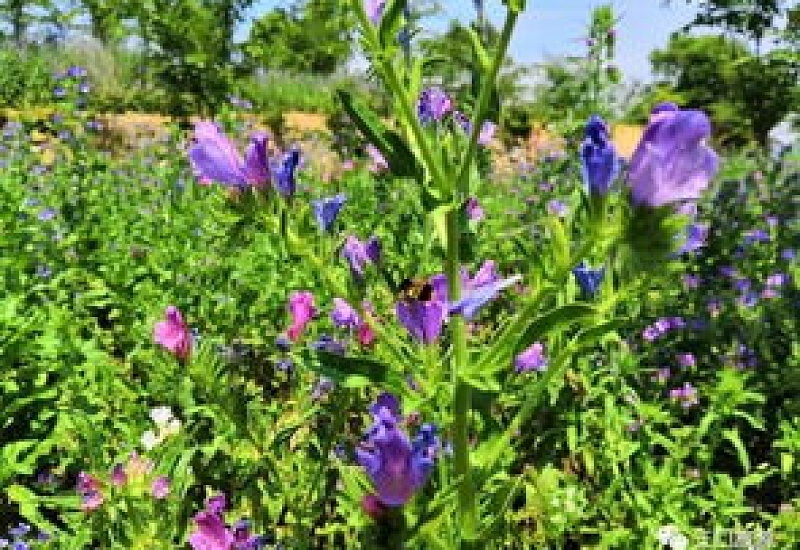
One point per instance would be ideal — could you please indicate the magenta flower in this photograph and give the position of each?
(214, 157)
(302, 310)
(118, 475)
(474, 209)
(532, 359)
(173, 334)
(88, 487)
(210, 533)
(672, 163)
(397, 466)
(160, 487)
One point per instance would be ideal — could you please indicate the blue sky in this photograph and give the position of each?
(555, 27)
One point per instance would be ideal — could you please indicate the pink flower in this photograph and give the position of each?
(88, 488)
(173, 334)
(474, 209)
(373, 506)
(302, 310)
(366, 336)
(160, 487)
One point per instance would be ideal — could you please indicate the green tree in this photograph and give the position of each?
(749, 19)
(19, 15)
(310, 36)
(188, 45)
(747, 95)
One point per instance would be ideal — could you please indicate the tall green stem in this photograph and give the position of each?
(462, 397)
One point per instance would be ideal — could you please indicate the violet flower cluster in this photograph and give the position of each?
(397, 466)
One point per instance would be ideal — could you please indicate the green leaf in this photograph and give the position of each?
(402, 162)
(481, 55)
(355, 372)
(522, 332)
(733, 437)
(390, 20)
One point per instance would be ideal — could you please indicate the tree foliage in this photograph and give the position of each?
(310, 36)
(746, 94)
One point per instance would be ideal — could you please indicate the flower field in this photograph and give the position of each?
(212, 338)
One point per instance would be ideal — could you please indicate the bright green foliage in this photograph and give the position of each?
(746, 94)
(310, 36)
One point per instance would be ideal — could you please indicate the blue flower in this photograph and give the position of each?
(327, 210)
(599, 161)
(284, 172)
(588, 279)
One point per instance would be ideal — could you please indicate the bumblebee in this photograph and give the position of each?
(415, 290)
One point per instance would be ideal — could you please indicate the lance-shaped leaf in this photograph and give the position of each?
(397, 153)
(391, 21)
(521, 332)
(354, 372)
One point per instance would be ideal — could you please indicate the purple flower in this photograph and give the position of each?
(343, 314)
(756, 236)
(328, 344)
(359, 254)
(672, 163)
(777, 279)
(59, 92)
(160, 487)
(214, 157)
(532, 359)
(327, 210)
(284, 170)
(76, 71)
(476, 291)
(374, 10)
(599, 161)
(378, 161)
(474, 209)
(696, 236)
(488, 128)
(557, 208)
(118, 475)
(476, 295)
(396, 466)
(686, 360)
(662, 375)
(373, 249)
(433, 105)
(423, 319)
(692, 281)
(84, 88)
(47, 214)
(788, 254)
(588, 278)
(686, 396)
